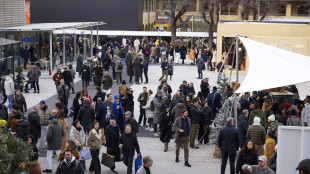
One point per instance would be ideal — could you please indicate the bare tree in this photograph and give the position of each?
(175, 10)
(210, 10)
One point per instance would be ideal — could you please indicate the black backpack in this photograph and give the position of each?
(120, 66)
(3, 113)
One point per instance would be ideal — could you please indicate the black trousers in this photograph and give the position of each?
(201, 131)
(128, 161)
(142, 116)
(36, 85)
(199, 73)
(84, 84)
(231, 153)
(146, 75)
(95, 162)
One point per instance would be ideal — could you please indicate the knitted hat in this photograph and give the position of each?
(272, 117)
(42, 101)
(51, 117)
(256, 121)
(180, 101)
(304, 165)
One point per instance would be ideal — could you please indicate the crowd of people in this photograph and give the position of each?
(181, 113)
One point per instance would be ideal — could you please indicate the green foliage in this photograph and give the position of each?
(18, 69)
(13, 152)
(221, 85)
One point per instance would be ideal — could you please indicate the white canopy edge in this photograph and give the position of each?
(51, 26)
(271, 67)
(134, 33)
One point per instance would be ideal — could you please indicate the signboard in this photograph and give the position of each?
(29, 39)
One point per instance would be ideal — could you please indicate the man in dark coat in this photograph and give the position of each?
(228, 142)
(183, 88)
(243, 126)
(137, 67)
(99, 94)
(101, 112)
(214, 101)
(205, 87)
(85, 75)
(35, 126)
(86, 116)
(112, 135)
(183, 51)
(25, 55)
(69, 165)
(133, 122)
(63, 91)
(23, 127)
(67, 77)
(107, 82)
(19, 99)
(129, 103)
(79, 64)
(128, 144)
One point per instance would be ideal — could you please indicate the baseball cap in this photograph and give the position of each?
(262, 158)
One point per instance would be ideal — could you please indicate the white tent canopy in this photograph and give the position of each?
(271, 67)
(134, 33)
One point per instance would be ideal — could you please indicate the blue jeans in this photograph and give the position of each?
(232, 157)
(142, 113)
(35, 85)
(123, 61)
(10, 98)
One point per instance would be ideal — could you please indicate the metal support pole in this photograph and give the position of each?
(237, 59)
(84, 45)
(97, 36)
(63, 49)
(74, 46)
(91, 42)
(51, 51)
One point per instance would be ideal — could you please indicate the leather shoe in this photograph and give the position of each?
(47, 171)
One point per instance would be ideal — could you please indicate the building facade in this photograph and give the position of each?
(12, 13)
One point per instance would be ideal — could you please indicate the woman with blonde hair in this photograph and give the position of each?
(63, 122)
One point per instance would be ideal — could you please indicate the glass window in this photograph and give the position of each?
(229, 9)
(192, 5)
(273, 9)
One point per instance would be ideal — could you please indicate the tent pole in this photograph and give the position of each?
(51, 51)
(97, 36)
(237, 59)
(63, 49)
(74, 46)
(91, 42)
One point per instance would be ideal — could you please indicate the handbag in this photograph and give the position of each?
(217, 152)
(107, 160)
(85, 154)
(138, 163)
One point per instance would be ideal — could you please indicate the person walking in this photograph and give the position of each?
(243, 127)
(228, 142)
(257, 134)
(98, 73)
(54, 136)
(118, 70)
(204, 125)
(131, 121)
(35, 74)
(85, 74)
(77, 135)
(195, 120)
(128, 101)
(35, 126)
(142, 99)
(94, 143)
(63, 91)
(86, 115)
(214, 101)
(99, 94)
(129, 144)
(112, 135)
(25, 55)
(182, 128)
(64, 123)
(200, 67)
(183, 51)
(79, 64)
(247, 155)
(9, 90)
(19, 99)
(147, 163)
(149, 112)
(69, 165)
(130, 70)
(164, 69)
(118, 112)
(157, 102)
(57, 77)
(101, 112)
(137, 64)
(166, 127)
(44, 113)
(77, 103)
(146, 69)
(67, 77)
(107, 82)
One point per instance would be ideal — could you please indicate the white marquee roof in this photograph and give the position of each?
(51, 26)
(271, 67)
(134, 33)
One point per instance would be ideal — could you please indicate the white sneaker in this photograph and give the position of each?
(151, 129)
(147, 128)
(156, 134)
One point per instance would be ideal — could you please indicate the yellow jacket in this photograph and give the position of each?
(269, 147)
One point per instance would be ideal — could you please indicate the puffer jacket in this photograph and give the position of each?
(77, 136)
(44, 116)
(9, 86)
(147, 107)
(269, 146)
(257, 134)
(94, 139)
(23, 130)
(54, 135)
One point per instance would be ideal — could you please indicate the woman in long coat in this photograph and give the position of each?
(130, 70)
(77, 103)
(192, 55)
(165, 127)
(112, 135)
(63, 122)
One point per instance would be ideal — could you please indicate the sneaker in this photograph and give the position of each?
(140, 125)
(156, 134)
(151, 129)
(47, 171)
(187, 164)
(91, 171)
(147, 128)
